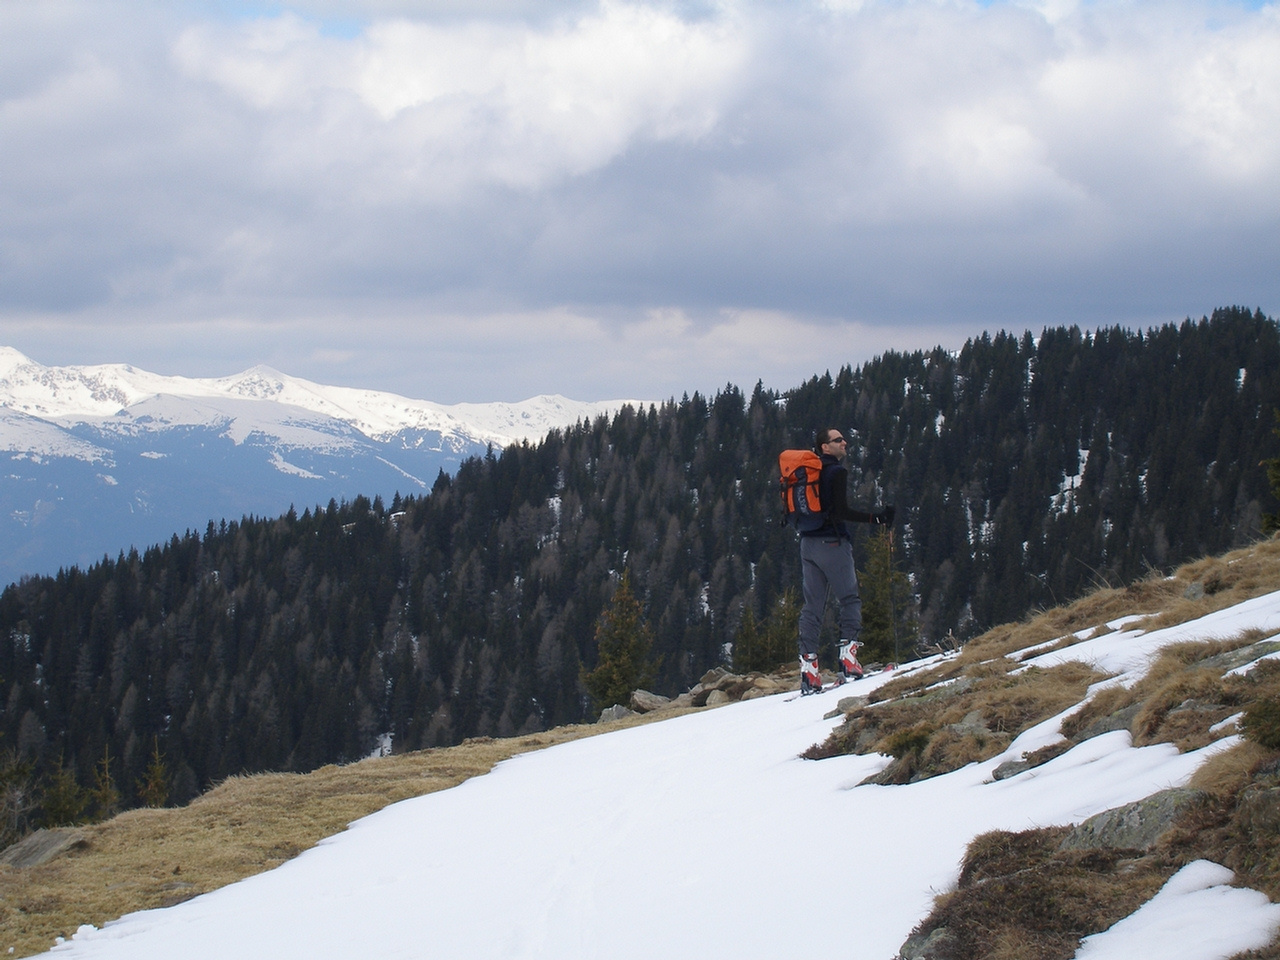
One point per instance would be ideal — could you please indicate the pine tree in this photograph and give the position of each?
(15, 796)
(767, 645)
(886, 632)
(1271, 521)
(104, 795)
(746, 642)
(63, 801)
(154, 791)
(624, 644)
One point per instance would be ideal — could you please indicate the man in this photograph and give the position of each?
(826, 563)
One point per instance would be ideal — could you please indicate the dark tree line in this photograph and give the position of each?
(1023, 469)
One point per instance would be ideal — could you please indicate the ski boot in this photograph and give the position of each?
(810, 678)
(848, 667)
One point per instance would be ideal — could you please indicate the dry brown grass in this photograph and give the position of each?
(1225, 774)
(1020, 897)
(919, 718)
(157, 857)
(1181, 698)
(939, 730)
(1239, 827)
(1226, 580)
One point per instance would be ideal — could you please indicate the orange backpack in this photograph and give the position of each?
(801, 504)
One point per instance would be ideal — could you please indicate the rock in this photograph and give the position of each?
(846, 706)
(178, 892)
(713, 676)
(1120, 720)
(1010, 768)
(1135, 826)
(1259, 811)
(762, 686)
(642, 701)
(1231, 659)
(1194, 592)
(936, 944)
(698, 695)
(616, 712)
(717, 697)
(972, 725)
(738, 688)
(850, 704)
(43, 846)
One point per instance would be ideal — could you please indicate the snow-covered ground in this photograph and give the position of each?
(702, 836)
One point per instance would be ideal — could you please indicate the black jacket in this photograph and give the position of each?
(833, 493)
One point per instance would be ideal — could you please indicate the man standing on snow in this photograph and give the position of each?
(826, 563)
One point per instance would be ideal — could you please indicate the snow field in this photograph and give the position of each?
(703, 835)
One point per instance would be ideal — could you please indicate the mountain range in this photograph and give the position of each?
(107, 457)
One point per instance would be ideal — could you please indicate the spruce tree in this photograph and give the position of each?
(154, 790)
(765, 645)
(104, 795)
(746, 642)
(63, 800)
(886, 631)
(624, 645)
(1271, 521)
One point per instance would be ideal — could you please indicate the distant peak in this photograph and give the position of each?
(259, 382)
(11, 359)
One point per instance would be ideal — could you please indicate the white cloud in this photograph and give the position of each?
(506, 102)
(661, 184)
(1228, 103)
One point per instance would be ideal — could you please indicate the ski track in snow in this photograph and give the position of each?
(703, 835)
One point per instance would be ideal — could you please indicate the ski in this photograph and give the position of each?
(825, 687)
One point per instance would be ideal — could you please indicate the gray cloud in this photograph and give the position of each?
(618, 198)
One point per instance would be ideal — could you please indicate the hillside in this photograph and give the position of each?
(1024, 470)
(1189, 660)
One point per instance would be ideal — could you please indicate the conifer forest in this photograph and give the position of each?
(1024, 470)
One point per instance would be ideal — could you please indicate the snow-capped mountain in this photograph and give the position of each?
(101, 458)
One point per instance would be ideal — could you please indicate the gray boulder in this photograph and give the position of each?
(616, 712)
(42, 846)
(642, 701)
(936, 944)
(1135, 826)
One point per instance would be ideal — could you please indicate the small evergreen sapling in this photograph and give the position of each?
(624, 646)
(154, 789)
(63, 801)
(886, 626)
(763, 646)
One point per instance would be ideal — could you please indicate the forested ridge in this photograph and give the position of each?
(1024, 469)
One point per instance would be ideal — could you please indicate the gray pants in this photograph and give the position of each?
(828, 564)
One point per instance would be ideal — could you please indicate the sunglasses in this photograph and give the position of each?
(837, 440)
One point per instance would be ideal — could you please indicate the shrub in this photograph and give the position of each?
(1261, 723)
(911, 740)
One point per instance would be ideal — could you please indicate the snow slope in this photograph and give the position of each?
(701, 836)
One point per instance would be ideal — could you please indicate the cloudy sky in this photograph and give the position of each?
(491, 199)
